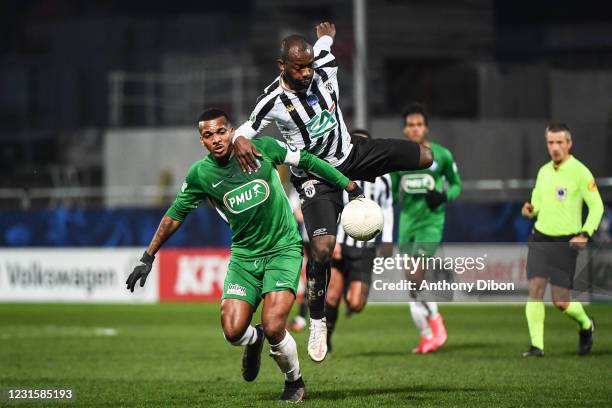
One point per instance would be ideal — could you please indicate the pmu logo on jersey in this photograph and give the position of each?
(561, 193)
(322, 123)
(417, 183)
(246, 196)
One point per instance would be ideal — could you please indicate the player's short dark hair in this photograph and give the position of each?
(212, 113)
(360, 133)
(416, 108)
(293, 41)
(559, 127)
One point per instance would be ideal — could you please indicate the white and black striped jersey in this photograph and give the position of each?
(380, 192)
(310, 120)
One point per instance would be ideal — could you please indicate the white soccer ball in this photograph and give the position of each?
(362, 219)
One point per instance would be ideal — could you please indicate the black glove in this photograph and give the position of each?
(141, 271)
(356, 192)
(434, 199)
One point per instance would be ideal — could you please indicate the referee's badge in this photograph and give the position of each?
(561, 193)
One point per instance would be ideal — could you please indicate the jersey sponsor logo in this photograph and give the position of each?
(252, 118)
(217, 183)
(235, 289)
(281, 284)
(290, 108)
(246, 196)
(417, 183)
(329, 87)
(561, 193)
(322, 123)
(592, 186)
(184, 187)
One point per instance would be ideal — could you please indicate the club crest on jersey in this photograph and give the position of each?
(322, 123)
(329, 87)
(417, 183)
(561, 193)
(309, 191)
(246, 196)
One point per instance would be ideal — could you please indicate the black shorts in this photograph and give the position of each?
(356, 264)
(369, 158)
(552, 258)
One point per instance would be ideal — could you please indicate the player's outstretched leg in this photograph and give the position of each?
(283, 349)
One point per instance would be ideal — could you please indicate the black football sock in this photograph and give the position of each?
(331, 317)
(303, 308)
(317, 275)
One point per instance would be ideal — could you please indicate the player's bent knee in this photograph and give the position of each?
(233, 334)
(322, 248)
(356, 305)
(561, 304)
(274, 329)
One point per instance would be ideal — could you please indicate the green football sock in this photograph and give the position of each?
(535, 312)
(576, 312)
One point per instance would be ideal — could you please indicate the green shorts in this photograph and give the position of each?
(424, 241)
(249, 279)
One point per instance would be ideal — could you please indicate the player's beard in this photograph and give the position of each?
(295, 85)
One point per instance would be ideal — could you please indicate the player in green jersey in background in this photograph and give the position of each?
(266, 252)
(422, 195)
(562, 187)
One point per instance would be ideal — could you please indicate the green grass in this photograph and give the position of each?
(175, 355)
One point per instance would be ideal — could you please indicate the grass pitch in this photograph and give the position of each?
(175, 355)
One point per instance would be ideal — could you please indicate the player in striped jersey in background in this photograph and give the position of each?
(351, 272)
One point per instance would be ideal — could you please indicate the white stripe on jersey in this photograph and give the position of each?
(380, 192)
(312, 120)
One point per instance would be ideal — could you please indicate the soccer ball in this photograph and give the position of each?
(362, 219)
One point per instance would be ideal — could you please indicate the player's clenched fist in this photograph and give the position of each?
(527, 210)
(326, 28)
(141, 271)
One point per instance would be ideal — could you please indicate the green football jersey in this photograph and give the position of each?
(409, 188)
(254, 205)
(558, 198)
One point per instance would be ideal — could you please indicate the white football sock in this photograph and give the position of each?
(249, 337)
(419, 316)
(433, 309)
(286, 356)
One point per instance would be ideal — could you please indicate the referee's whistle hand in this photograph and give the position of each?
(245, 153)
(527, 210)
(579, 242)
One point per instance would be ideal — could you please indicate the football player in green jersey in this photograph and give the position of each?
(423, 198)
(266, 251)
(562, 187)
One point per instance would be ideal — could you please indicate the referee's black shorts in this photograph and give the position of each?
(369, 158)
(552, 258)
